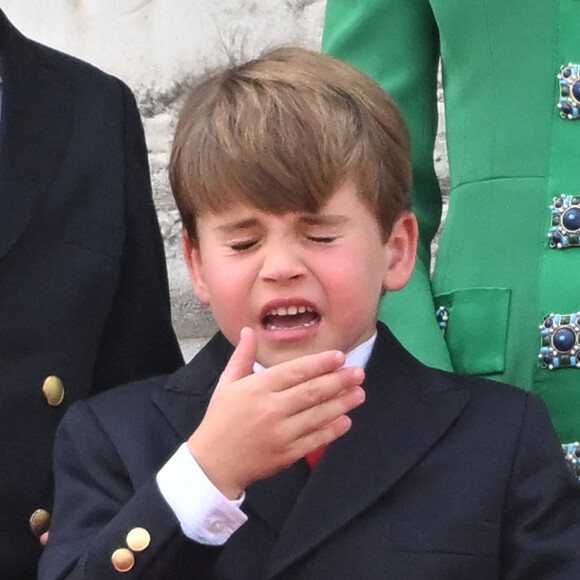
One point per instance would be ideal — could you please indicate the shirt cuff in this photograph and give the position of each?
(204, 513)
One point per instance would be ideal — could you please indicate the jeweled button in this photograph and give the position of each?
(564, 339)
(571, 219)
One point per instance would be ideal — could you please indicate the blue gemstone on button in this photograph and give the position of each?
(576, 90)
(571, 219)
(547, 359)
(566, 72)
(548, 322)
(566, 109)
(564, 339)
(558, 202)
(556, 238)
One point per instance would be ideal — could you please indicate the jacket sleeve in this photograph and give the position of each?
(541, 518)
(138, 340)
(97, 504)
(396, 42)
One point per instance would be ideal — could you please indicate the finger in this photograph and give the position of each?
(241, 363)
(319, 417)
(298, 371)
(44, 539)
(322, 437)
(315, 391)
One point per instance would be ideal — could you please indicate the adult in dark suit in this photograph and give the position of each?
(441, 476)
(433, 476)
(84, 302)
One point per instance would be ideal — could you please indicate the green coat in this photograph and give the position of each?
(510, 154)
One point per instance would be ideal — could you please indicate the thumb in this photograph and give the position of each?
(241, 363)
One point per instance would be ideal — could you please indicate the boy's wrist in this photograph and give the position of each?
(205, 515)
(214, 468)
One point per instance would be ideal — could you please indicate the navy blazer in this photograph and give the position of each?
(83, 282)
(441, 477)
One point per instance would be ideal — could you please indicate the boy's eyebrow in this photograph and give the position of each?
(243, 224)
(316, 219)
(311, 219)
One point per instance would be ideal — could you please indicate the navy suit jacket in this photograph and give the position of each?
(83, 282)
(441, 477)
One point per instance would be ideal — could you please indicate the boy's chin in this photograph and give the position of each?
(269, 357)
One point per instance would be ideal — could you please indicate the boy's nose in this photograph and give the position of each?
(282, 264)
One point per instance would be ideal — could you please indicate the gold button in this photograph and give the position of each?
(138, 539)
(123, 560)
(39, 522)
(53, 390)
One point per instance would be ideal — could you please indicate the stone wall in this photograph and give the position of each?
(159, 47)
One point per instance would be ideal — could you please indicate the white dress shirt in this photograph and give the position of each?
(205, 514)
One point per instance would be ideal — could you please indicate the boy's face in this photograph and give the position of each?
(304, 282)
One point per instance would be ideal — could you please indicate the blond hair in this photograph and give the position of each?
(282, 132)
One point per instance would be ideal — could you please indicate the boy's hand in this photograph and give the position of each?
(258, 424)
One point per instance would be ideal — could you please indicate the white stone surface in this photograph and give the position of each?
(153, 43)
(158, 47)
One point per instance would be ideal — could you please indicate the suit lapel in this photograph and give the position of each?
(36, 126)
(185, 396)
(408, 409)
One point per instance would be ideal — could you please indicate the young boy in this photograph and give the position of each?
(292, 175)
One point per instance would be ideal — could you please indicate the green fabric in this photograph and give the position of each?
(477, 337)
(510, 154)
(410, 313)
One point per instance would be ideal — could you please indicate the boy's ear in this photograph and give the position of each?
(193, 261)
(401, 252)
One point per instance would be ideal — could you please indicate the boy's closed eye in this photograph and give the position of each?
(322, 229)
(243, 245)
(320, 239)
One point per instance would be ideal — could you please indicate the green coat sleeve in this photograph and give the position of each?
(396, 42)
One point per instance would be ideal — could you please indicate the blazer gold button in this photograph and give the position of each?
(138, 539)
(53, 390)
(39, 522)
(123, 560)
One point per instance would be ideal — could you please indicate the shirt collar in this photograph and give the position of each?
(357, 357)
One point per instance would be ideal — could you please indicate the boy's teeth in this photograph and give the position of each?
(290, 311)
(274, 327)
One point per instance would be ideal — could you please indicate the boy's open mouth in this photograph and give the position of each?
(290, 317)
